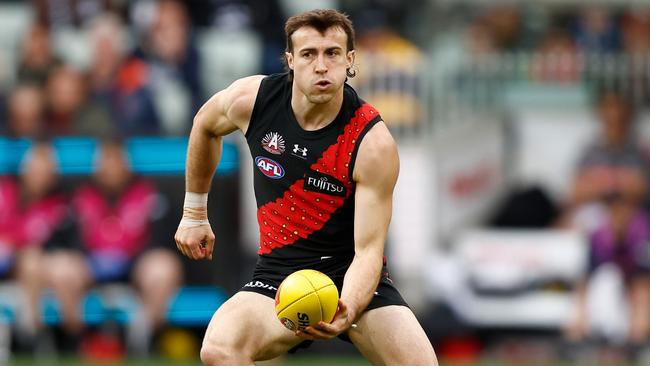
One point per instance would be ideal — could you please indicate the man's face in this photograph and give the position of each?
(616, 119)
(113, 171)
(319, 62)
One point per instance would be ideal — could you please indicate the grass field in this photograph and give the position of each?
(293, 361)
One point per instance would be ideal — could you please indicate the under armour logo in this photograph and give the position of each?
(302, 150)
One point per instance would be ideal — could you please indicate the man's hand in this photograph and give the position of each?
(195, 242)
(341, 323)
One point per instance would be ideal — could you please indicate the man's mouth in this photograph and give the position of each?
(322, 84)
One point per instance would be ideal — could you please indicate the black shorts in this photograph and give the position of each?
(269, 273)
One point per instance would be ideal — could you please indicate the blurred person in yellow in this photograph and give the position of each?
(392, 81)
(325, 169)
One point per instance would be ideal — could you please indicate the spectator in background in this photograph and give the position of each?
(37, 58)
(607, 204)
(33, 215)
(388, 65)
(116, 215)
(636, 44)
(173, 64)
(635, 26)
(505, 22)
(266, 18)
(25, 110)
(557, 61)
(613, 164)
(119, 82)
(69, 110)
(595, 31)
(74, 13)
(619, 259)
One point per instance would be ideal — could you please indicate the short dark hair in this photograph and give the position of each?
(321, 20)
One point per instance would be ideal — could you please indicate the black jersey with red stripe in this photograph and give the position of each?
(302, 179)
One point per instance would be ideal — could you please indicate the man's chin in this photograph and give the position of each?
(320, 98)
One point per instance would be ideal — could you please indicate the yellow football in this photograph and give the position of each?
(304, 298)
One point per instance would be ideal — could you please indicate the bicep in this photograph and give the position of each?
(375, 173)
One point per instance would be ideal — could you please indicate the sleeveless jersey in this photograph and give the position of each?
(303, 179)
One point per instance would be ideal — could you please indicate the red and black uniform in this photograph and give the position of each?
(304, 189)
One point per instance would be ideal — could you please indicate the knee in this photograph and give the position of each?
(215, 354)
(158, 267)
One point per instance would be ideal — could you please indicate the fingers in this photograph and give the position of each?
(313, 333)
(208, 247)
(195, 246)
(195, 250)
(342, 309)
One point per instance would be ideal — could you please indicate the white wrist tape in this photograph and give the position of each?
(195, 200)
(196, 207)
(192, 222)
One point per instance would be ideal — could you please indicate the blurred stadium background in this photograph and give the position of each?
(493, 104)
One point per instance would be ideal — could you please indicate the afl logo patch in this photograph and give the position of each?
(288, 324)
(273, 142)
(269, 167)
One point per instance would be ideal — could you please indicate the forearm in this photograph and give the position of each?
(360, 282)
(203, 155)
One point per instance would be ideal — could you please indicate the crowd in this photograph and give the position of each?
(106, 230)
(594, 43)
(603, 50)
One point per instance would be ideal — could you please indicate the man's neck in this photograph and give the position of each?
(312, 116)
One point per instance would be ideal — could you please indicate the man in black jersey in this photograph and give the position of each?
(325, 169)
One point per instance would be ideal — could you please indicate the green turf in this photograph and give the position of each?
(291, 361)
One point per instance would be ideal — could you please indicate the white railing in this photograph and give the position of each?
(419, 97)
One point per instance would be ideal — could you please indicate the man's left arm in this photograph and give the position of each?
(375, 173)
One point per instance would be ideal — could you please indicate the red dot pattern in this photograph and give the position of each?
(299, 213)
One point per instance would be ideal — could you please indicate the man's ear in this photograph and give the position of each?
(289, 57)
(350, 58)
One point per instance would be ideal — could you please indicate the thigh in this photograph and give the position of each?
(391, 335)
(247, 323)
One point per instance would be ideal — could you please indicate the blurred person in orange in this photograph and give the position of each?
(33, 215)
(116, 215)
(120, 82)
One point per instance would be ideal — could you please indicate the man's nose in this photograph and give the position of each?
(320, 64)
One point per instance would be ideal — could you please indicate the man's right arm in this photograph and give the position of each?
(227, 111)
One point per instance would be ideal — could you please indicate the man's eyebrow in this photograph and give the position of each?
(313, 49)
